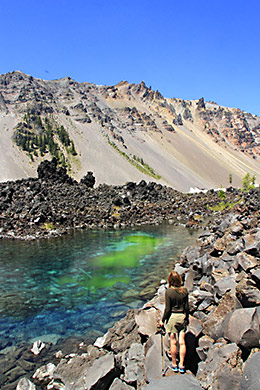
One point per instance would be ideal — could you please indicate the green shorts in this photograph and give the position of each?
(176, 323)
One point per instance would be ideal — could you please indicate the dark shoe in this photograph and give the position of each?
(181, 370)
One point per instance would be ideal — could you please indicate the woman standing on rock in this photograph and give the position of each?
(176, 315)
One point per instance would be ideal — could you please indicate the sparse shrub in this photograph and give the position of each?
(48, 226)
(248, 182)
(222, 194)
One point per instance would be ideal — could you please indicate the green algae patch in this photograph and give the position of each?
(143, 239)
(136, 247)
(99, 281)
(109, 269)
(66, 280)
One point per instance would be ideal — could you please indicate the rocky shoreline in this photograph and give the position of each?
(54, 204)
(222, 273)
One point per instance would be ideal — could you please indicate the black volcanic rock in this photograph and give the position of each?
(61, 203)
(89, 180)
(49, 170)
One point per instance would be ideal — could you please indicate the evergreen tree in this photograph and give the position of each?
(23, 142)
(73, 150)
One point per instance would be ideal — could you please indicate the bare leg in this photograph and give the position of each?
(173, 345)
(182, 345)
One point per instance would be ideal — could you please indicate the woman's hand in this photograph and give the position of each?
(161, 323)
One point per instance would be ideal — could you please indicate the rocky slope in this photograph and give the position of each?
(222, 273)
(126, 132)
(54, 203)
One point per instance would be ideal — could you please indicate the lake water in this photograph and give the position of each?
(80, 284)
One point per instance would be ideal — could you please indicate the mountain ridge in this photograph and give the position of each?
(126, 132)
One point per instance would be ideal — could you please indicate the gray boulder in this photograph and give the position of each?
(205, 343)
(101, 373)
(246, 261)
(154, 362)
(120, 385)
(81, 373)
(176, 382)
(45, 373)
(242, 327)
(256, 277)
(251, 374)
(25, 384)
(222, 369)
(202, 265)
(198, 296)
(235, 247)
(147, 321)
(189, 255)
(71, 372)
(237, 229)
(212, 327)
(122, 335)
(195, 326)
(248, 292)
(225, 284)
(133, 363)
(189, 278)
(252, 244)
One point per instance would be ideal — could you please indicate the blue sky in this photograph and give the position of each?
(185, 49)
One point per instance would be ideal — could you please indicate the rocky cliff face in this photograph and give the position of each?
(123, 132)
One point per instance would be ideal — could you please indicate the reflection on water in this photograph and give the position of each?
(83, 282)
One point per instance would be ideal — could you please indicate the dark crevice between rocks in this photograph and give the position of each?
(144, 339)
(216, 253)
(105, 382)
(191, 359)
(245, 352)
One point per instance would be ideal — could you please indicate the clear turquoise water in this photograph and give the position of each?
(80, 284)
